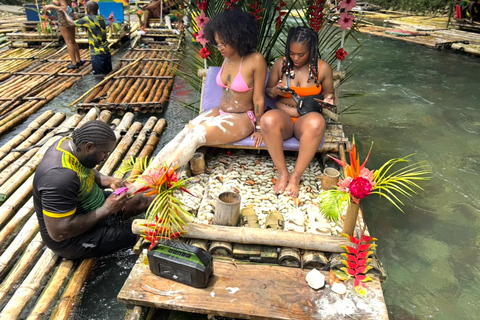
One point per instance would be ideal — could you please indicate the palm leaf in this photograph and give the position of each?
(402, 181)
(332, 203)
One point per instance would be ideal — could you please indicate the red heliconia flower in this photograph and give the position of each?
(255, 10)
(205, 53)
(341, 54)
(229, 4)
(278, 20)
(202, 5)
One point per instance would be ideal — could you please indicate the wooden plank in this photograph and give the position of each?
(252, 291)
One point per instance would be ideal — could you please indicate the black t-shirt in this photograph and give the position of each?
(62, 186)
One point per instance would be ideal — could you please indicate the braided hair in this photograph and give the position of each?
(95, 131)
(310, 38)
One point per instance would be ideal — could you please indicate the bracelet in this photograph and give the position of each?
(257, 128)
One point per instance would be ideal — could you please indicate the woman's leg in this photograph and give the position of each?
(210, 130)
(309, 130)
(276, 126)
(68, 34)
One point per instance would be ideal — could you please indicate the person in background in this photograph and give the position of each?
(64, 9)
(77, 218)
(96, 26)
(171, 12)
(309, 75)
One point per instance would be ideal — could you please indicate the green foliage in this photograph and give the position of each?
(271, 40)
(413, 5)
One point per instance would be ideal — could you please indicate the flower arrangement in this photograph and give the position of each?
(140, 14)
(360, 182)
(166, 216)
(45, 26)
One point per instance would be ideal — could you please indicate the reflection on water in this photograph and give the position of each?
(422, 101)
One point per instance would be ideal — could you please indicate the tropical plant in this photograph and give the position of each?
(356, 261)
(275, 18)
(360, 182)
(166, 216)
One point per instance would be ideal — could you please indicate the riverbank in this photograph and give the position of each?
(434, 32)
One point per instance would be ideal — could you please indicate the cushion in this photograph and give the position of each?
(211, 97)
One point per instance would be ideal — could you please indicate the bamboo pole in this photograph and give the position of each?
(17, 198)
(141, 139)
(7, 183)
(151, 143)
(20, 267)
(29, 286)
(122, 147)
(278, 238)
(50, 293)
(27, 132)
(34, 138)
(106, 79)
(24, 213)
(68, 299)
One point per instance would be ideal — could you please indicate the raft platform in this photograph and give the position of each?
(431, 32)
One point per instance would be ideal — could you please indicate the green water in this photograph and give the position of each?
(418, 100)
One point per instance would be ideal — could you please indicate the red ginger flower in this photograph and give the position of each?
(360, 188)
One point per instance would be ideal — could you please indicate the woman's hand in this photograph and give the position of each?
(258, 138)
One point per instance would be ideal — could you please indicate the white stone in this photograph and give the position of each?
(315, 279)
(339, 288)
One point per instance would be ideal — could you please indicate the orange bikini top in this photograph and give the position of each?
(307, 91)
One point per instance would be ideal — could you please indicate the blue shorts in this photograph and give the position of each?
(101, 63)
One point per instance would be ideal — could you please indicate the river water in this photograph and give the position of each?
(406, 99)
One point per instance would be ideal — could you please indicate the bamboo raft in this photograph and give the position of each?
(434, 34)
(136, 87)
(30, 274)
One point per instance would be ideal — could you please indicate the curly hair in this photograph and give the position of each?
(310, 38)
(237, 28)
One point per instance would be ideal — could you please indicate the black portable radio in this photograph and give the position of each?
(181, 262)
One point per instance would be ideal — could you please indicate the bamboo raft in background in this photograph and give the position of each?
(140, 88)
(25, 264)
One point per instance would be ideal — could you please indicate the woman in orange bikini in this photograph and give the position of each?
(309, 75)
(242, 77)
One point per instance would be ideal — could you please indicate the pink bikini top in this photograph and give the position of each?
(238, 84)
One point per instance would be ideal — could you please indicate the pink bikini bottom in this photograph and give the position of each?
(249, 113)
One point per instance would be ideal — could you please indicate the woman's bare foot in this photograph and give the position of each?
(281, 183)
(293, 185)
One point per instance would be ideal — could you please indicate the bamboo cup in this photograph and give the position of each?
(330, 178)
(227, 210)
(197, 163)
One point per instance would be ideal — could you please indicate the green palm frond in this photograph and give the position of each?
(133, 163)
(401, 182)
(333, 203)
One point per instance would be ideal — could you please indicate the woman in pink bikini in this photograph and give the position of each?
(309, 75)
(242, 77)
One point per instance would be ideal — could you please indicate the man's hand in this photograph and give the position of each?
(258, 138)
(115, 203)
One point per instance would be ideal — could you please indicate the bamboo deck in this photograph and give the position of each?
(431, 32)
(30, 274)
